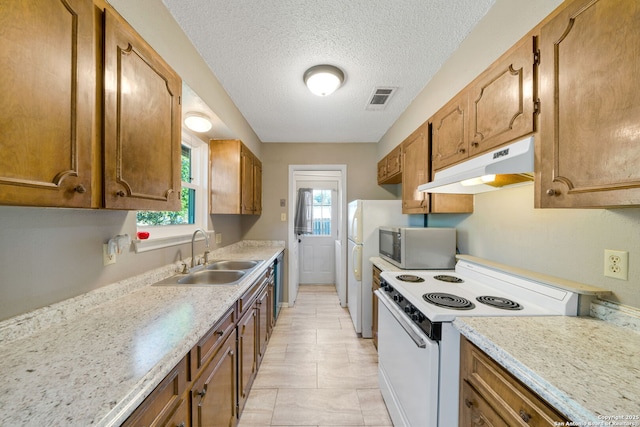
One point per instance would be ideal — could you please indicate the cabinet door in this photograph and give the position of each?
(382, 171)
(213, 395)
(246, 185)
(374, 323)
(48, 103)
(262, 336)
(142, 128)
(415, 150)
(590, 105)
(450, 133)
(247, 355)
(257, 187)
(501, 100)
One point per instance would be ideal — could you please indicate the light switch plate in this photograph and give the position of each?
(283, 217)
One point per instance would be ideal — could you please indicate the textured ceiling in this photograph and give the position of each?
(259, 50)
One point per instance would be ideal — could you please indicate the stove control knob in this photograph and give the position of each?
(388, 288)
(409, 309)
(398, 298)
(417, 317)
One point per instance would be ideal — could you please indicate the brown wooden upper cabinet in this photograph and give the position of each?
(236, 178)
(48, 101)
(52, 121)
(496, 108)
(501, 100)
(142, 123)
(416, 171)
(390, 167)
(589, 147)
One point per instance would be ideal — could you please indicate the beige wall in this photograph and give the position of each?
(276, 158)
(567, 243)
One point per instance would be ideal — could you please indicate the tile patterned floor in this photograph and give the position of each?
(316, 371)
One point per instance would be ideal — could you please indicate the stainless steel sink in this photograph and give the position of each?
(232, 265)
(223, 272)
(212, 277)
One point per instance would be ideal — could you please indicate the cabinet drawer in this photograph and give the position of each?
(210, 343)
(511, 399)
(475, 411)
(164, 401)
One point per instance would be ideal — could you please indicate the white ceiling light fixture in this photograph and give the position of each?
(198, 122)
(323, 80)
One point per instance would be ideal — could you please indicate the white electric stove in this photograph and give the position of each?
(418, 347)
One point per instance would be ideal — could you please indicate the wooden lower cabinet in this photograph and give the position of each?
(374, 302)
(213, 394)
(247, 355)
(210, 386)
(489, 395)
(167, 403)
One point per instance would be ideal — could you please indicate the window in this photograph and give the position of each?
(172, 227)
(188, 195)
(321, 212)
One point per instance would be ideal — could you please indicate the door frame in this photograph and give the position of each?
(292, 238)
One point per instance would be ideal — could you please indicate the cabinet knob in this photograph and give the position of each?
(468, 403)
(182, 424)
(80, 189)
(552, 192)
(201, 393)
(475, 144)
(120, 193)
(462, 150)
(525, 417)
(220, 333)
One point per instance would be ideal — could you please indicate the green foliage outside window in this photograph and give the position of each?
(186, 215)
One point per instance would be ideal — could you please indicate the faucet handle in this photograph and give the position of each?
(206, 257)
(185, 268)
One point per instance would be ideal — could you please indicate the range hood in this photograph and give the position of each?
(506, 166)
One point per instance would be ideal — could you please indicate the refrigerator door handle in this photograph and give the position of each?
(356, 262)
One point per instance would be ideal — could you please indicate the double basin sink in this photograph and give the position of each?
(226, 272)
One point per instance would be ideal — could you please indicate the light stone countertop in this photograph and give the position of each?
(584, 367)
(383, 265)
(95, 364)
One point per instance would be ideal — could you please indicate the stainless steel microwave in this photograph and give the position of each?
(414, 248)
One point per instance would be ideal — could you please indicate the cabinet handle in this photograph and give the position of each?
(182, 424)
(475, 143)
(201, 393)
(552, 192)
(468, 403)
(220, 333)
(525, 417)
(80, 189)
(120, 193)
(462, 150)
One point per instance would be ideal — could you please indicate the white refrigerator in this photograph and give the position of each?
(365, 216)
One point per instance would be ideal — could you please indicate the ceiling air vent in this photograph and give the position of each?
(380, 98)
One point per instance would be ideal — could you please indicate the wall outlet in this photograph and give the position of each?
(616, 264)
(218, 238)
(283, 217)
(106, 258)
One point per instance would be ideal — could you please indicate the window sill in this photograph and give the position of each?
(165, 242)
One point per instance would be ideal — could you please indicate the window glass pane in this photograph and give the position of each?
(186, 164)
(322, 212)
(186, 215)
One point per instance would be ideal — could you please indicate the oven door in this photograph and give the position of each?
(408, 364)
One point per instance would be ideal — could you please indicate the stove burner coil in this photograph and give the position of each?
(448, 301)
(410, 278)
(499, 302)
(447, 278)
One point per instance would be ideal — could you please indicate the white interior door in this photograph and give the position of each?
(317, 250)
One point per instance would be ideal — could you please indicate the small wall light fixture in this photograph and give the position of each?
(323, 80)
(197, 122)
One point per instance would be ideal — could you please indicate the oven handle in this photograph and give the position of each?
(400, 318)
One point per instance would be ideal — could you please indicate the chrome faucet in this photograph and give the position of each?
(193, 240)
